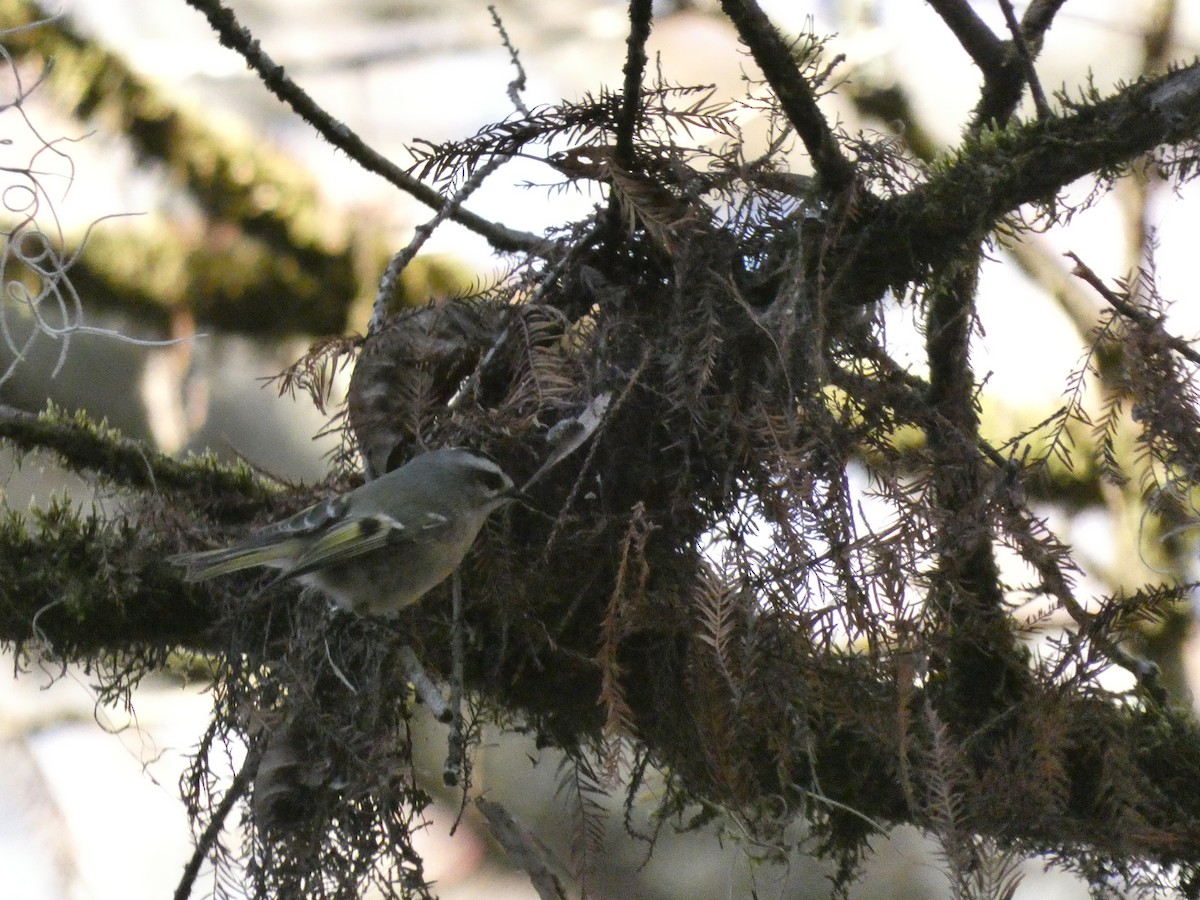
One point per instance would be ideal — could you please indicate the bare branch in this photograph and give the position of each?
(1131, 312)
(984, 48)
(239, 39)
(1026, 55)
(635, 66)
(389, 282)
(834, 170)
(212, 830)
(1039, 16)
(1002, 63)
(519, 80)
(521, 848)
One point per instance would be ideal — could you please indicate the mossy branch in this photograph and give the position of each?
(897, 241)
(228, 493)
(85, 590)
(82, 589)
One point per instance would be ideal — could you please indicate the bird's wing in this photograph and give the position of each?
(354, 537)
(306, 522)
(275, 545)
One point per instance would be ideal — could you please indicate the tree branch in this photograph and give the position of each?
(635, 66)
(1039, 15)
(1026, 54)
(231, 34)
(1132, 312)
(985, 49)
(82, 589)
(1157, 752)
(522, 848)
(902, 238)
(834, 170)
(985, 673)
(766, 698)
(1006, 65)
(207, 841)
(231, 494)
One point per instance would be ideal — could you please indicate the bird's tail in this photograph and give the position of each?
(207, 564)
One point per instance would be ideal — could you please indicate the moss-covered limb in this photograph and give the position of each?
(895, 242)
(839, 740)
(88, 590)
(227, 493)
(834, 736)
(831, 735)
(1071, 772)
(981, 659)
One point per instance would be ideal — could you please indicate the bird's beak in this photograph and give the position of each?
(518, 495)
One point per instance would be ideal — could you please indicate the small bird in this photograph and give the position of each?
(382, 546)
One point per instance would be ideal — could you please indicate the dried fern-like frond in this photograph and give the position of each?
(584, 789)
(314, 372)
(590, 120)
(624, 610)
(977, 867)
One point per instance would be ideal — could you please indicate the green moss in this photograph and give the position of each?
(84, 445)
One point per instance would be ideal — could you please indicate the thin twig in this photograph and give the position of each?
(834, 170)
(454, 767)
(208, 837)
(338, 673)
(519, 80)
(389, 283)
(1131, 312)
(1057, 586)
(233, 35)
(1003, 81)
(1025, 55)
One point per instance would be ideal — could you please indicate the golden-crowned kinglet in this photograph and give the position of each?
(381, 546)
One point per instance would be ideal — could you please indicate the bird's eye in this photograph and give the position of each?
(491, 480)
